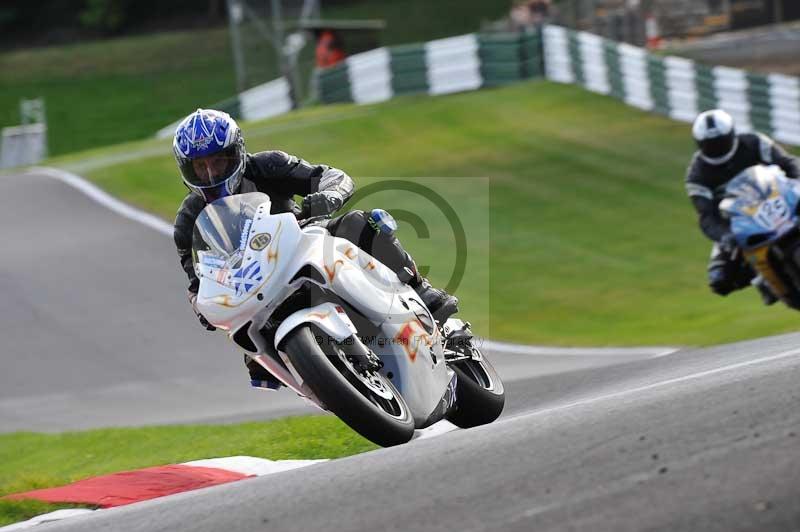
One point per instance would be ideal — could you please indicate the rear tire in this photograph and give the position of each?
(480, 396)
(383, 421)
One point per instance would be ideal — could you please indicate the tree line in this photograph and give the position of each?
(23, 22)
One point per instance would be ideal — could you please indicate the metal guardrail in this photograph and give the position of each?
(23, 145)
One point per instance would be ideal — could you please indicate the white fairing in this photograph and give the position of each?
(409, 343)
(331, 318)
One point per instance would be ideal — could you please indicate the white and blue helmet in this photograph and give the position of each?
(209, 150)
(715, 135)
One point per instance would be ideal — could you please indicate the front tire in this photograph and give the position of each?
(371, 406)
(480, 396)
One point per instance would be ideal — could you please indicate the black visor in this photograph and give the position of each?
(717, 147)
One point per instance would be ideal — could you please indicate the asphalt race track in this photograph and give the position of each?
(698, 440)
(96, 327)
(702, 440)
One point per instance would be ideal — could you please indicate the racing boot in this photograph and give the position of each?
(259, 377)
(441, 304)
(767, 296)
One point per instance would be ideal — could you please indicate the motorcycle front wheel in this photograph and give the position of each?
(480, 395)
(364, 399)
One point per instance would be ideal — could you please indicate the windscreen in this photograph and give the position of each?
(754, 187)
(221, 230)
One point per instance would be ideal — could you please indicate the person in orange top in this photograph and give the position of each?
(329, 49)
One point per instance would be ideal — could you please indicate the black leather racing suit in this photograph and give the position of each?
(705, 184)
(282, 176)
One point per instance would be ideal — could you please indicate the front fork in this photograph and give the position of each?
(457, 341)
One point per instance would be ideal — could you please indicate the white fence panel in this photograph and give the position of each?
(681, 89)
(784, 94)
(453, 64)
(265, 101)
(558, 64)
(730, 87)
(593, 61)
(633, 63)
(370, 76)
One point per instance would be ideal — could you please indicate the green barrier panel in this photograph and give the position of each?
(614, 70)
(409, 69)
(500, 56)
(532, 46)
(339, 96)
(499, 38)
(575, 58)
(532, 54)
(756, 91)
(334, 83)
(760, 102)
(657, 73)
(704, 103)
(761, 118)
(408, 63)
(660, 95)
(704, 82)
(403, 49)
(494, 75)
(504, 68)
(410, 83)
(335, 72)
(532, 68)
(758, 80)
(509, 57)
(503, 54)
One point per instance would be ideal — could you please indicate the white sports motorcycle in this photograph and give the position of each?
(335, 325)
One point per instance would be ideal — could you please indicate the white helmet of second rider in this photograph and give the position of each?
(715, 135)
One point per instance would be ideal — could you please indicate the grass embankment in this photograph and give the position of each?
(32, 461)
(105, 92)
(591, 240)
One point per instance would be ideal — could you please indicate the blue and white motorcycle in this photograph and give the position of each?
(335, 325)
(761, 203)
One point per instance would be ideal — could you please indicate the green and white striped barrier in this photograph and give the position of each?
(677, 87)
(674, 86)
(444, 66)
(262, 101)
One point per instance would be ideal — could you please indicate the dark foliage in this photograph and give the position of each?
(24, 23)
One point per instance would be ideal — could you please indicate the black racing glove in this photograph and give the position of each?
(320, 204)
(728, 243)
(203, 320)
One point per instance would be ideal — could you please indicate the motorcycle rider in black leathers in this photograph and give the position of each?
(722, 154)
(210, 153)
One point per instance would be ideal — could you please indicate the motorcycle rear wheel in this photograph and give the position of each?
(367, 402)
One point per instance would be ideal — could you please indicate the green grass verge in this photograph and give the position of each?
(591, 240)
(105, 92)
(31, 461)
